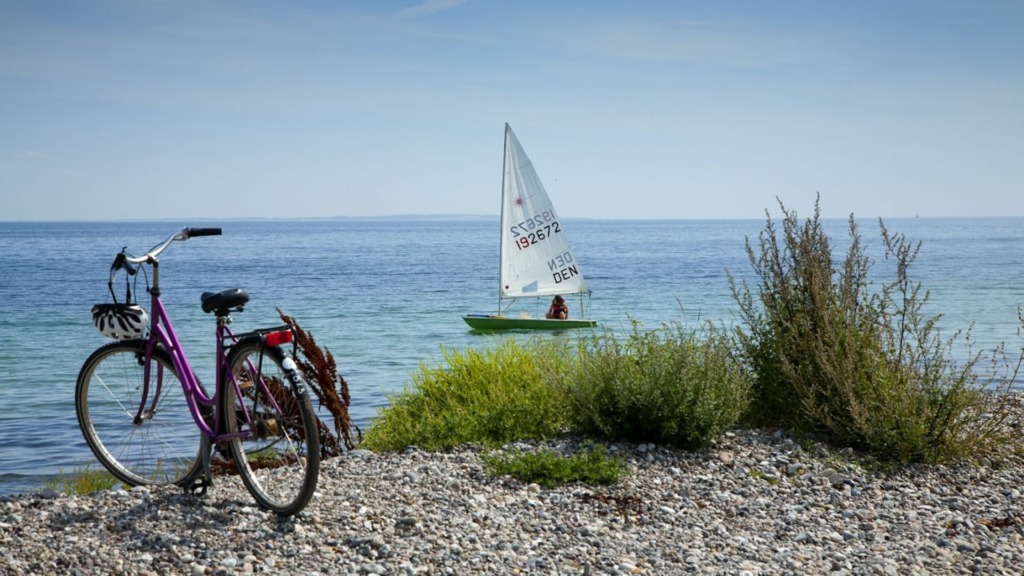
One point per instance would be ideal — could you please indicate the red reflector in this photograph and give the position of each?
(278, 338)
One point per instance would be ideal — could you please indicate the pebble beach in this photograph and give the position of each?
(756, 502)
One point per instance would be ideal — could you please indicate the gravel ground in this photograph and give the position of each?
(755, 503)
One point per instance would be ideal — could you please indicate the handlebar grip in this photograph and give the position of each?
(190, 232)
(121, 263)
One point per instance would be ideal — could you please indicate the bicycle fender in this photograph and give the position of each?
(292, 371)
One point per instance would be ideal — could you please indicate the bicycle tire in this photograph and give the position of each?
(161, 448)
(279, 462)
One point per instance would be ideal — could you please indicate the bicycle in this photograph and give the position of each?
(139, 401)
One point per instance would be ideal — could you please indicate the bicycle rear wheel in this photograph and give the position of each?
(278, 457)
(141, 434)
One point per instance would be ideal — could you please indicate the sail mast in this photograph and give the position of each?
(501, 234)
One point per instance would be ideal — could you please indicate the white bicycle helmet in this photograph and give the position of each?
(120, 321)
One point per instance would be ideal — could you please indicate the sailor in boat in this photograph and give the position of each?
(559, 310)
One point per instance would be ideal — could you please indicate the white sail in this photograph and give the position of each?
(536, 259)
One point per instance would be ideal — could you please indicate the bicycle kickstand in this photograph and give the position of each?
(203, 479)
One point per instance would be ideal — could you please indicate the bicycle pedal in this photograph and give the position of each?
(198, 486)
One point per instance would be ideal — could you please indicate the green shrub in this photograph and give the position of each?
(490, 397)
(866, 368)
(671, 385)
(591, 465)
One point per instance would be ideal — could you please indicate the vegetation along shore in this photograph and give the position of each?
(832, 432)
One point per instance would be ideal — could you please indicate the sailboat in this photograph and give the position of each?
(536, 259)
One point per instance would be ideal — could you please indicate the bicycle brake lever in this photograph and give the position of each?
(121, 262)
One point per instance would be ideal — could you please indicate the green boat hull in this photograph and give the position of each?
(481, 322)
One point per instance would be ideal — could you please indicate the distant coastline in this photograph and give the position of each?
(474, 218)
(387, 218)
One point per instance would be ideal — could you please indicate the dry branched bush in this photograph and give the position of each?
(321, 373)
(864, 365)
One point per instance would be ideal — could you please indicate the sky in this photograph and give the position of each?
(170, 109)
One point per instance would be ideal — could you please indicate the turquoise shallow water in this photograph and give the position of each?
(386, 295)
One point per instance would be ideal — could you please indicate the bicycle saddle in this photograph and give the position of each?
(223, 300)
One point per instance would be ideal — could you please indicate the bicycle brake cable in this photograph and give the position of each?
(121, 263)
(116, 265)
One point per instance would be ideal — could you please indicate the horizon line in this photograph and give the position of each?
(460, 217)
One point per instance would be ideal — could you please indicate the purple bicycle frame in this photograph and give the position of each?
(162, 331)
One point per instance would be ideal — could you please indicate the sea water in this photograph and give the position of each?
(385, 296)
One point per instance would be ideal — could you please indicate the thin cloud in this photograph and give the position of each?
(428, 7)
(704, 42)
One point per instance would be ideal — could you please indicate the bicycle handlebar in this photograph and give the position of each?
(123, 260)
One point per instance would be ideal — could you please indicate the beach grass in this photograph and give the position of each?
(591, 465)
(81, 480)
(489, 396)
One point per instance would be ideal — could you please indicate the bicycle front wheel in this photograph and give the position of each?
(142, 432)
(277, 452)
